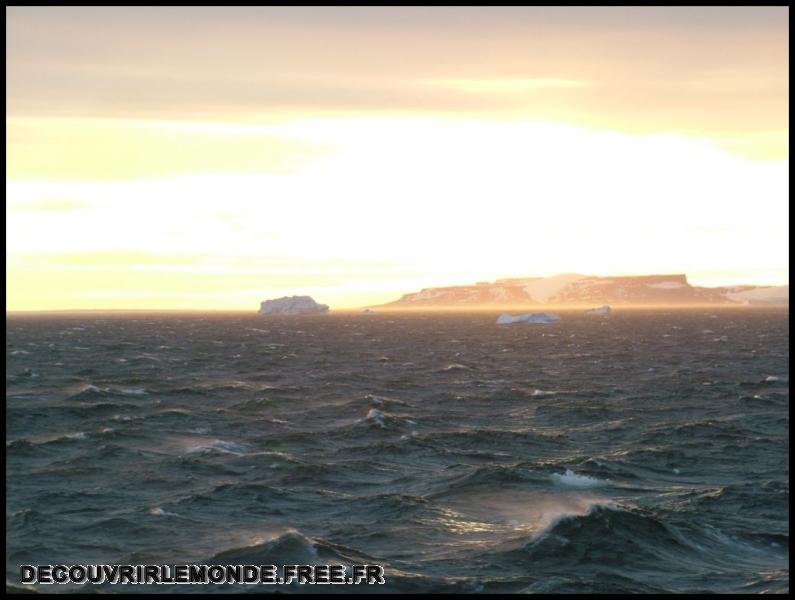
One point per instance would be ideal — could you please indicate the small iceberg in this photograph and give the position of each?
(505, 318)
(602, 310)
(369, 312)
(292, 305)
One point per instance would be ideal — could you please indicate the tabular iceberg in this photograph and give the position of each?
(505, 318)
(602, 310)
(292, 305)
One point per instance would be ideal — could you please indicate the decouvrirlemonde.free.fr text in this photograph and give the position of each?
(201, 574)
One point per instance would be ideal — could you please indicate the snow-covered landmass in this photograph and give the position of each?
(292, 305)
(768, 294)
(572, 289)
(505, 319)
(544, 288)
(668, 285)
(602, 310)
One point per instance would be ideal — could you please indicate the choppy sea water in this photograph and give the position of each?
(641, 452)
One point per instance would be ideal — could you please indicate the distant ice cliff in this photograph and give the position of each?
(602, 310)
(292, 305)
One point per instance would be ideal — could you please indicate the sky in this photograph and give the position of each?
(210, 158)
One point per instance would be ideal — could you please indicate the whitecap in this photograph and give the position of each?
(569, 514)
(156, 510)
(221, 446)
(376, 416)
(572, 479)
(133, 392)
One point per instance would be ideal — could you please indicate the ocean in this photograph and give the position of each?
(645, 451)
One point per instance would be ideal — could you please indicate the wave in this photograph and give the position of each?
(92, 409)
(382, 401)
(289, 547)
(489, 476)
(23, 447)
(395, 506)
(537, 392)
(90, 391)
(379, 419)
(572, 479)
(65, 438)
(610, 533)
(489, 439)
(566, 412)
(456, 367)
(594, 583)
(592, 464)
(704, 430)
(25, 518)
(159, 512)
(218, 447)
(239, 494)
(204, 388)
(771, 496)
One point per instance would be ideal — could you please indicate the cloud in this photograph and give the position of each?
(54, 205)
(504, 86)
(710, 71)
(74, 148)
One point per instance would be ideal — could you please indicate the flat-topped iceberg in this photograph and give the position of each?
(505, 318)
(292, 305)
(602, 310)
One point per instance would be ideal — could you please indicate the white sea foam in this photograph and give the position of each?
(132, 392)
(218, 446)
(543, 393)
(156, 510)
(568, 514)
(571, 479)
(376, 416)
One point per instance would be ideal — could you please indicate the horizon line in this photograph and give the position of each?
(418, 309)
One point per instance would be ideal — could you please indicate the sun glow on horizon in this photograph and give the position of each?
(354, 207)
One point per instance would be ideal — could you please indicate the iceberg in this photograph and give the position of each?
(292, 305)
(368, 312)
(602, 310)
(505, 318)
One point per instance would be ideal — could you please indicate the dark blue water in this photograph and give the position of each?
(645, 451)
